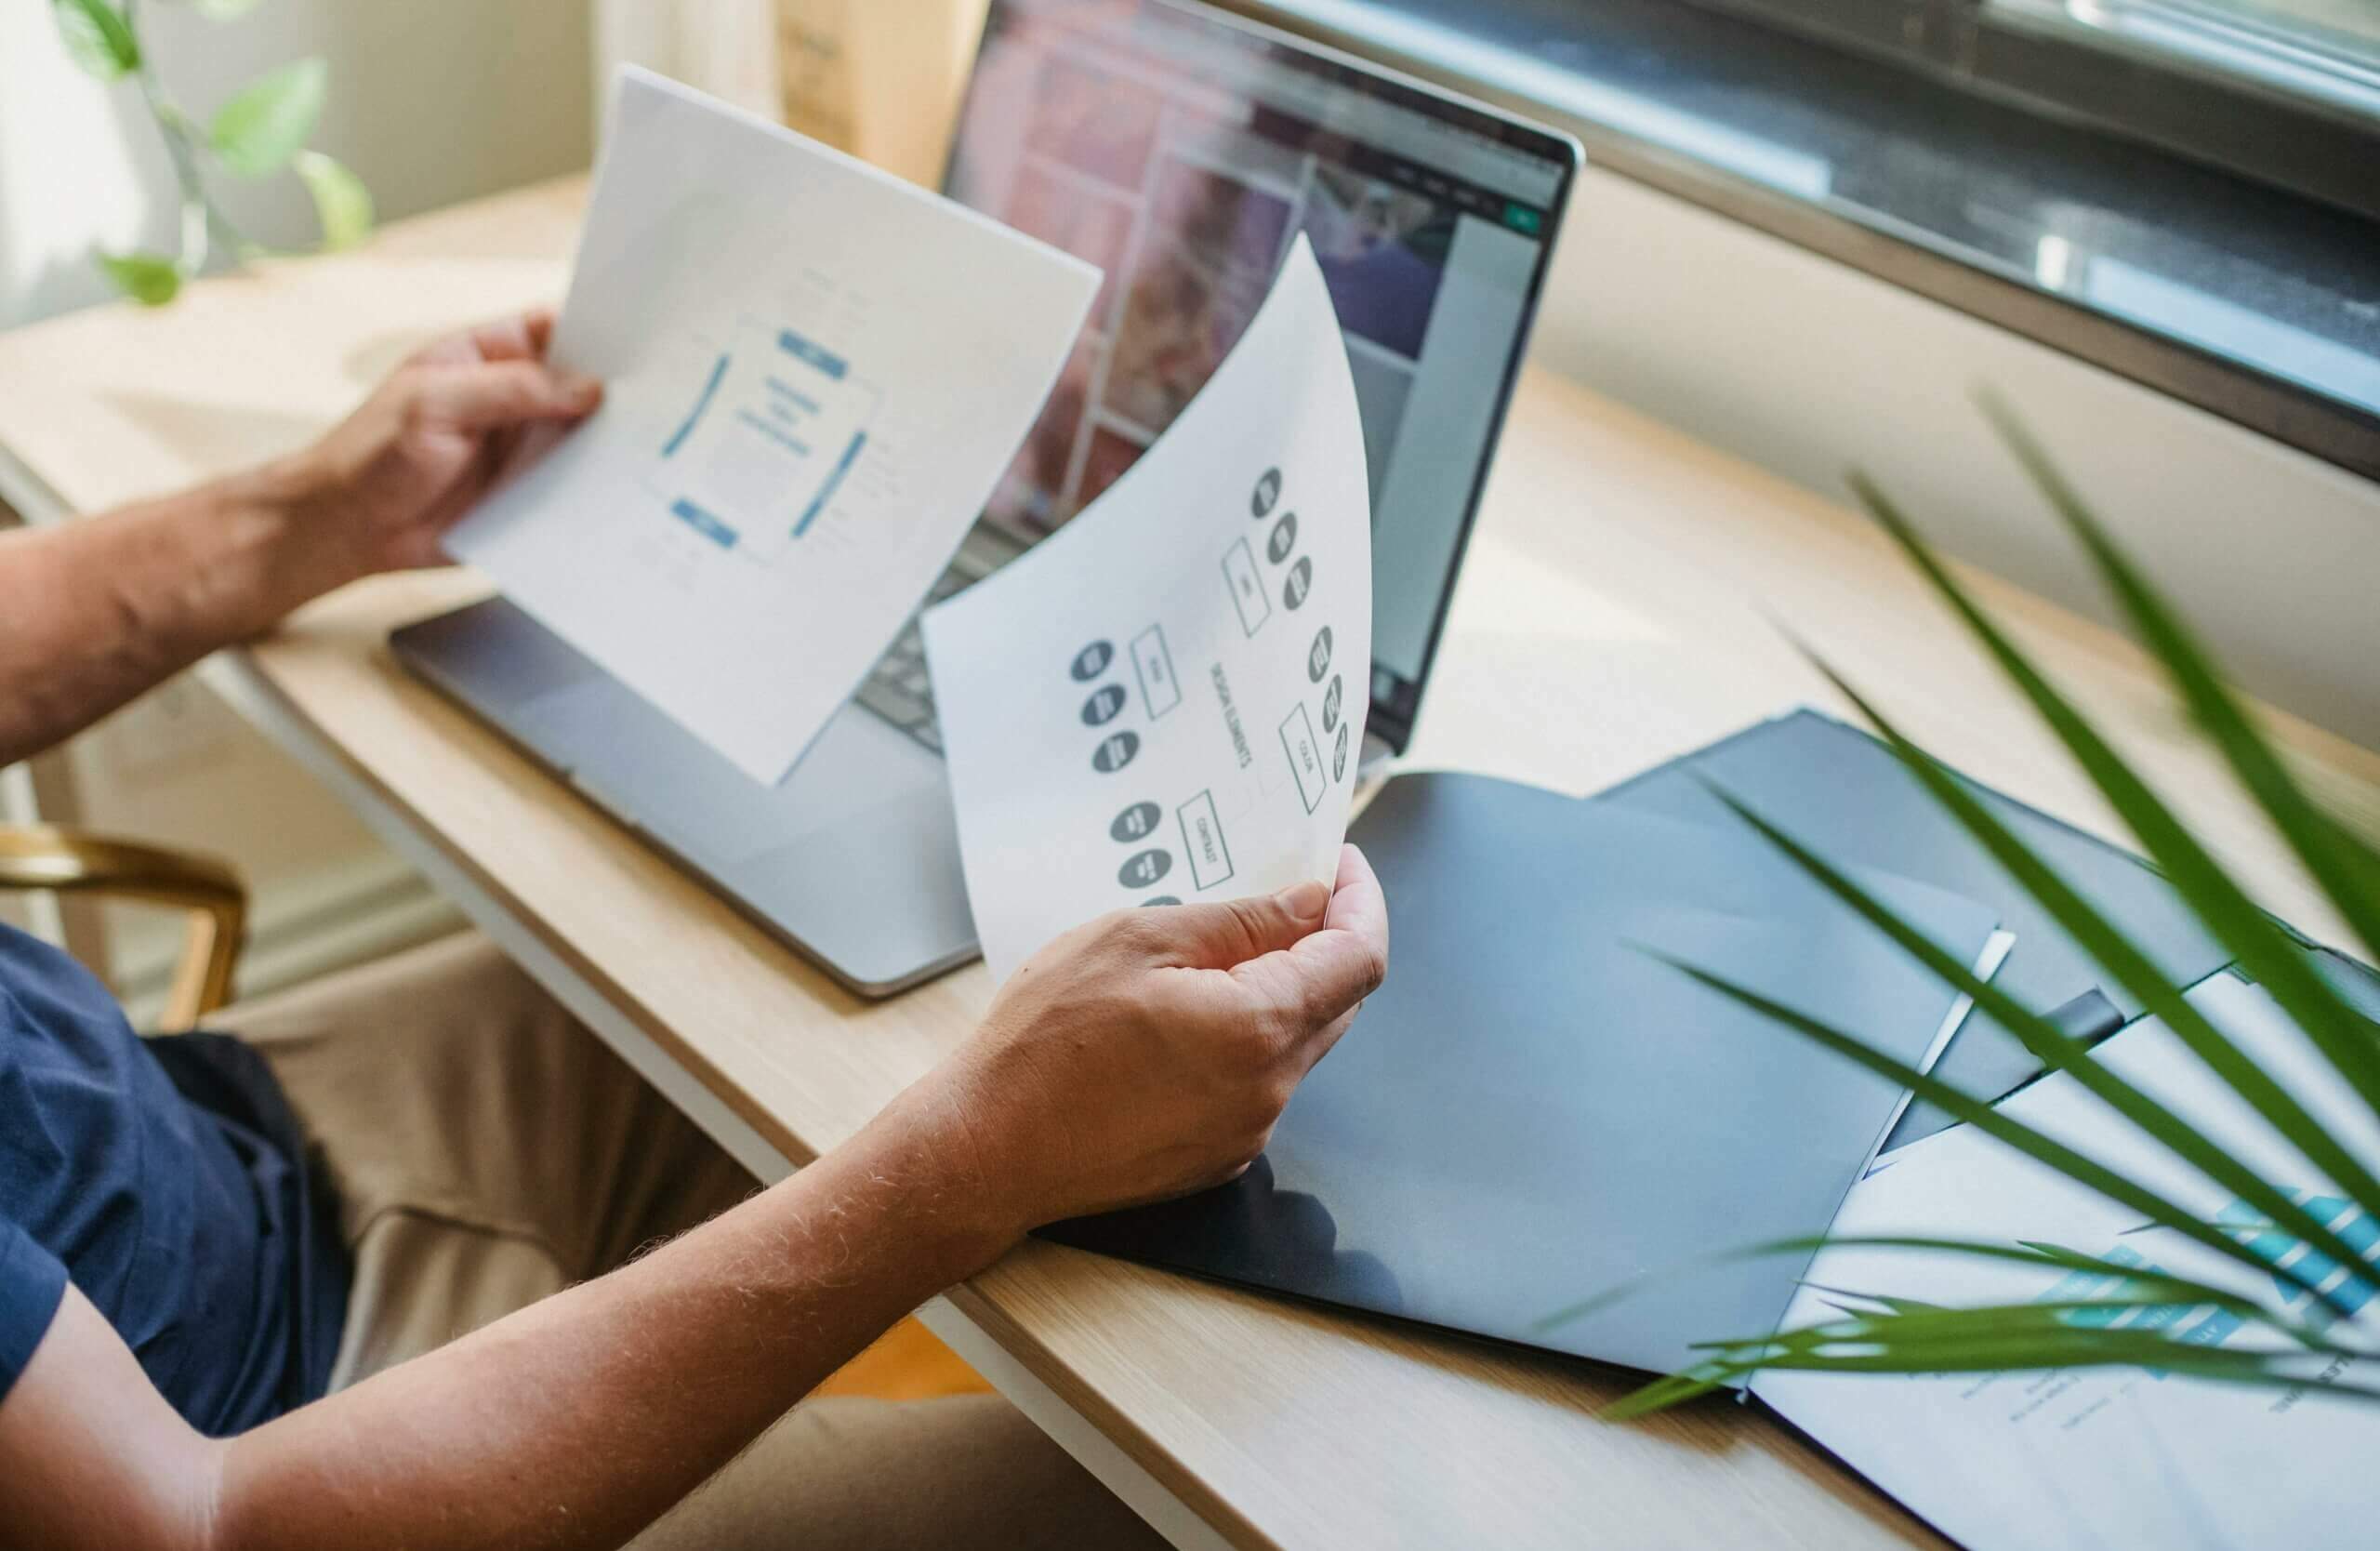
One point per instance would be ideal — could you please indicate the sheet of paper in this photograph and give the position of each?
(1165, 700)
(2116, 1456)
(816, 374)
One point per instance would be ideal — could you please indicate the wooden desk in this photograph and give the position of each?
(1614, 612)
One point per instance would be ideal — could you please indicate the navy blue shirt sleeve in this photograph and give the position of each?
(169, 1179)
(33, 1284)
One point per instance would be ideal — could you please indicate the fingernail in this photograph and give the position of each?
(586, 391)
(1305, 901)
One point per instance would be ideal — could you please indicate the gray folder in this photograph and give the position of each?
(1535, 1109)
(1844, 794)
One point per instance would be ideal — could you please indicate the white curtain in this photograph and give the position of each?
(726, 47)
(879, 78)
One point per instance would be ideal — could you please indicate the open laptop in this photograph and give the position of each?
(1180, 150)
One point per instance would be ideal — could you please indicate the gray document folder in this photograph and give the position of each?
(1536, 1109)
(1843, 793)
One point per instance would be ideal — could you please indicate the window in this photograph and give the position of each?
(2323, 50)
(2284, 91)
(2181, 193)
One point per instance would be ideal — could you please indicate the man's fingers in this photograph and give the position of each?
(507, 393)
(522, 337)
(1229, 934)
(1328, 975)
(1324, 976)
(1356, 902)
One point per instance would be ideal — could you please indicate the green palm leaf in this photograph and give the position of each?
(1883, 1351)
(2155, 1285)
(2346, 868)
(2170, 1287)
(2055, 1049)
(2042, 1148)
(1879, 1332)
(1917, 1339)
(2268, 955)
(2042, 1328)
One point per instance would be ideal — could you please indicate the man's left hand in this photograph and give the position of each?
(456, 419)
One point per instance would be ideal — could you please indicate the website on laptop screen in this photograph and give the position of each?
(1182, 154)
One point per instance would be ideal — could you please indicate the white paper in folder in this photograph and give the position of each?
(2083, 1459)
(1164, 702)
(816, 374)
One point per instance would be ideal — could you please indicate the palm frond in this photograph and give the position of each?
(1908, 1339)
(2056, 1050)
(2268, 954)
(2039, 1146)
(1883, 1333)
(2339, 861)
(2047, 1256)
(2157, 1286)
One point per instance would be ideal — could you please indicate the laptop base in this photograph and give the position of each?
(853, 861)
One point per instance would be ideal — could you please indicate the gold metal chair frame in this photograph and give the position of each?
(69, 862)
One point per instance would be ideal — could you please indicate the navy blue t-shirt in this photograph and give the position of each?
(168, 1179)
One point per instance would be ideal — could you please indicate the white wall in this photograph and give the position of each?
(430, 101)
(1806, 367)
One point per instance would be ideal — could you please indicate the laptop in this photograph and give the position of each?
(1180, 150)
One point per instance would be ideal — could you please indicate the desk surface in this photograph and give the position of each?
(1615, 610)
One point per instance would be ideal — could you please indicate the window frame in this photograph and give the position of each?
(2191, 105)
(1952, 196)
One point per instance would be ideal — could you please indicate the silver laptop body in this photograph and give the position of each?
(854, 860)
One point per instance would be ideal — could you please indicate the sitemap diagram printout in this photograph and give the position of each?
(1164, 701)
(816, 374)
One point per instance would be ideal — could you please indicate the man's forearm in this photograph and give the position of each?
(93, 613)
(580, 1420)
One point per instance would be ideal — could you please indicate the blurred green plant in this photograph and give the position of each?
(261, 132)
(2325, 1285)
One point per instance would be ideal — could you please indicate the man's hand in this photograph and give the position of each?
(1144, 1055)
(1149, 1053)
(454, 420)
(100, 611)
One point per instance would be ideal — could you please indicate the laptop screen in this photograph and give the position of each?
(1182, 151)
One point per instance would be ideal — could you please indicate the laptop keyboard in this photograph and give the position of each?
(898, 688)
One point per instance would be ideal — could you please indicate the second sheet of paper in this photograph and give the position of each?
(1164, 702)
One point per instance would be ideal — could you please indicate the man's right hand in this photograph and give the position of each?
(1145, 1055)
(1148, 1053)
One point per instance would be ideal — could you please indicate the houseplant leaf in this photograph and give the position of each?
(267, 120)
(2049, 1257)
(2083, 1170)
(2337, 859)
(341, 202)
(2133, 969)
(2268, 955)
(96, 37)
(2048, 1045)
(1880, 1334)
(147, 278)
